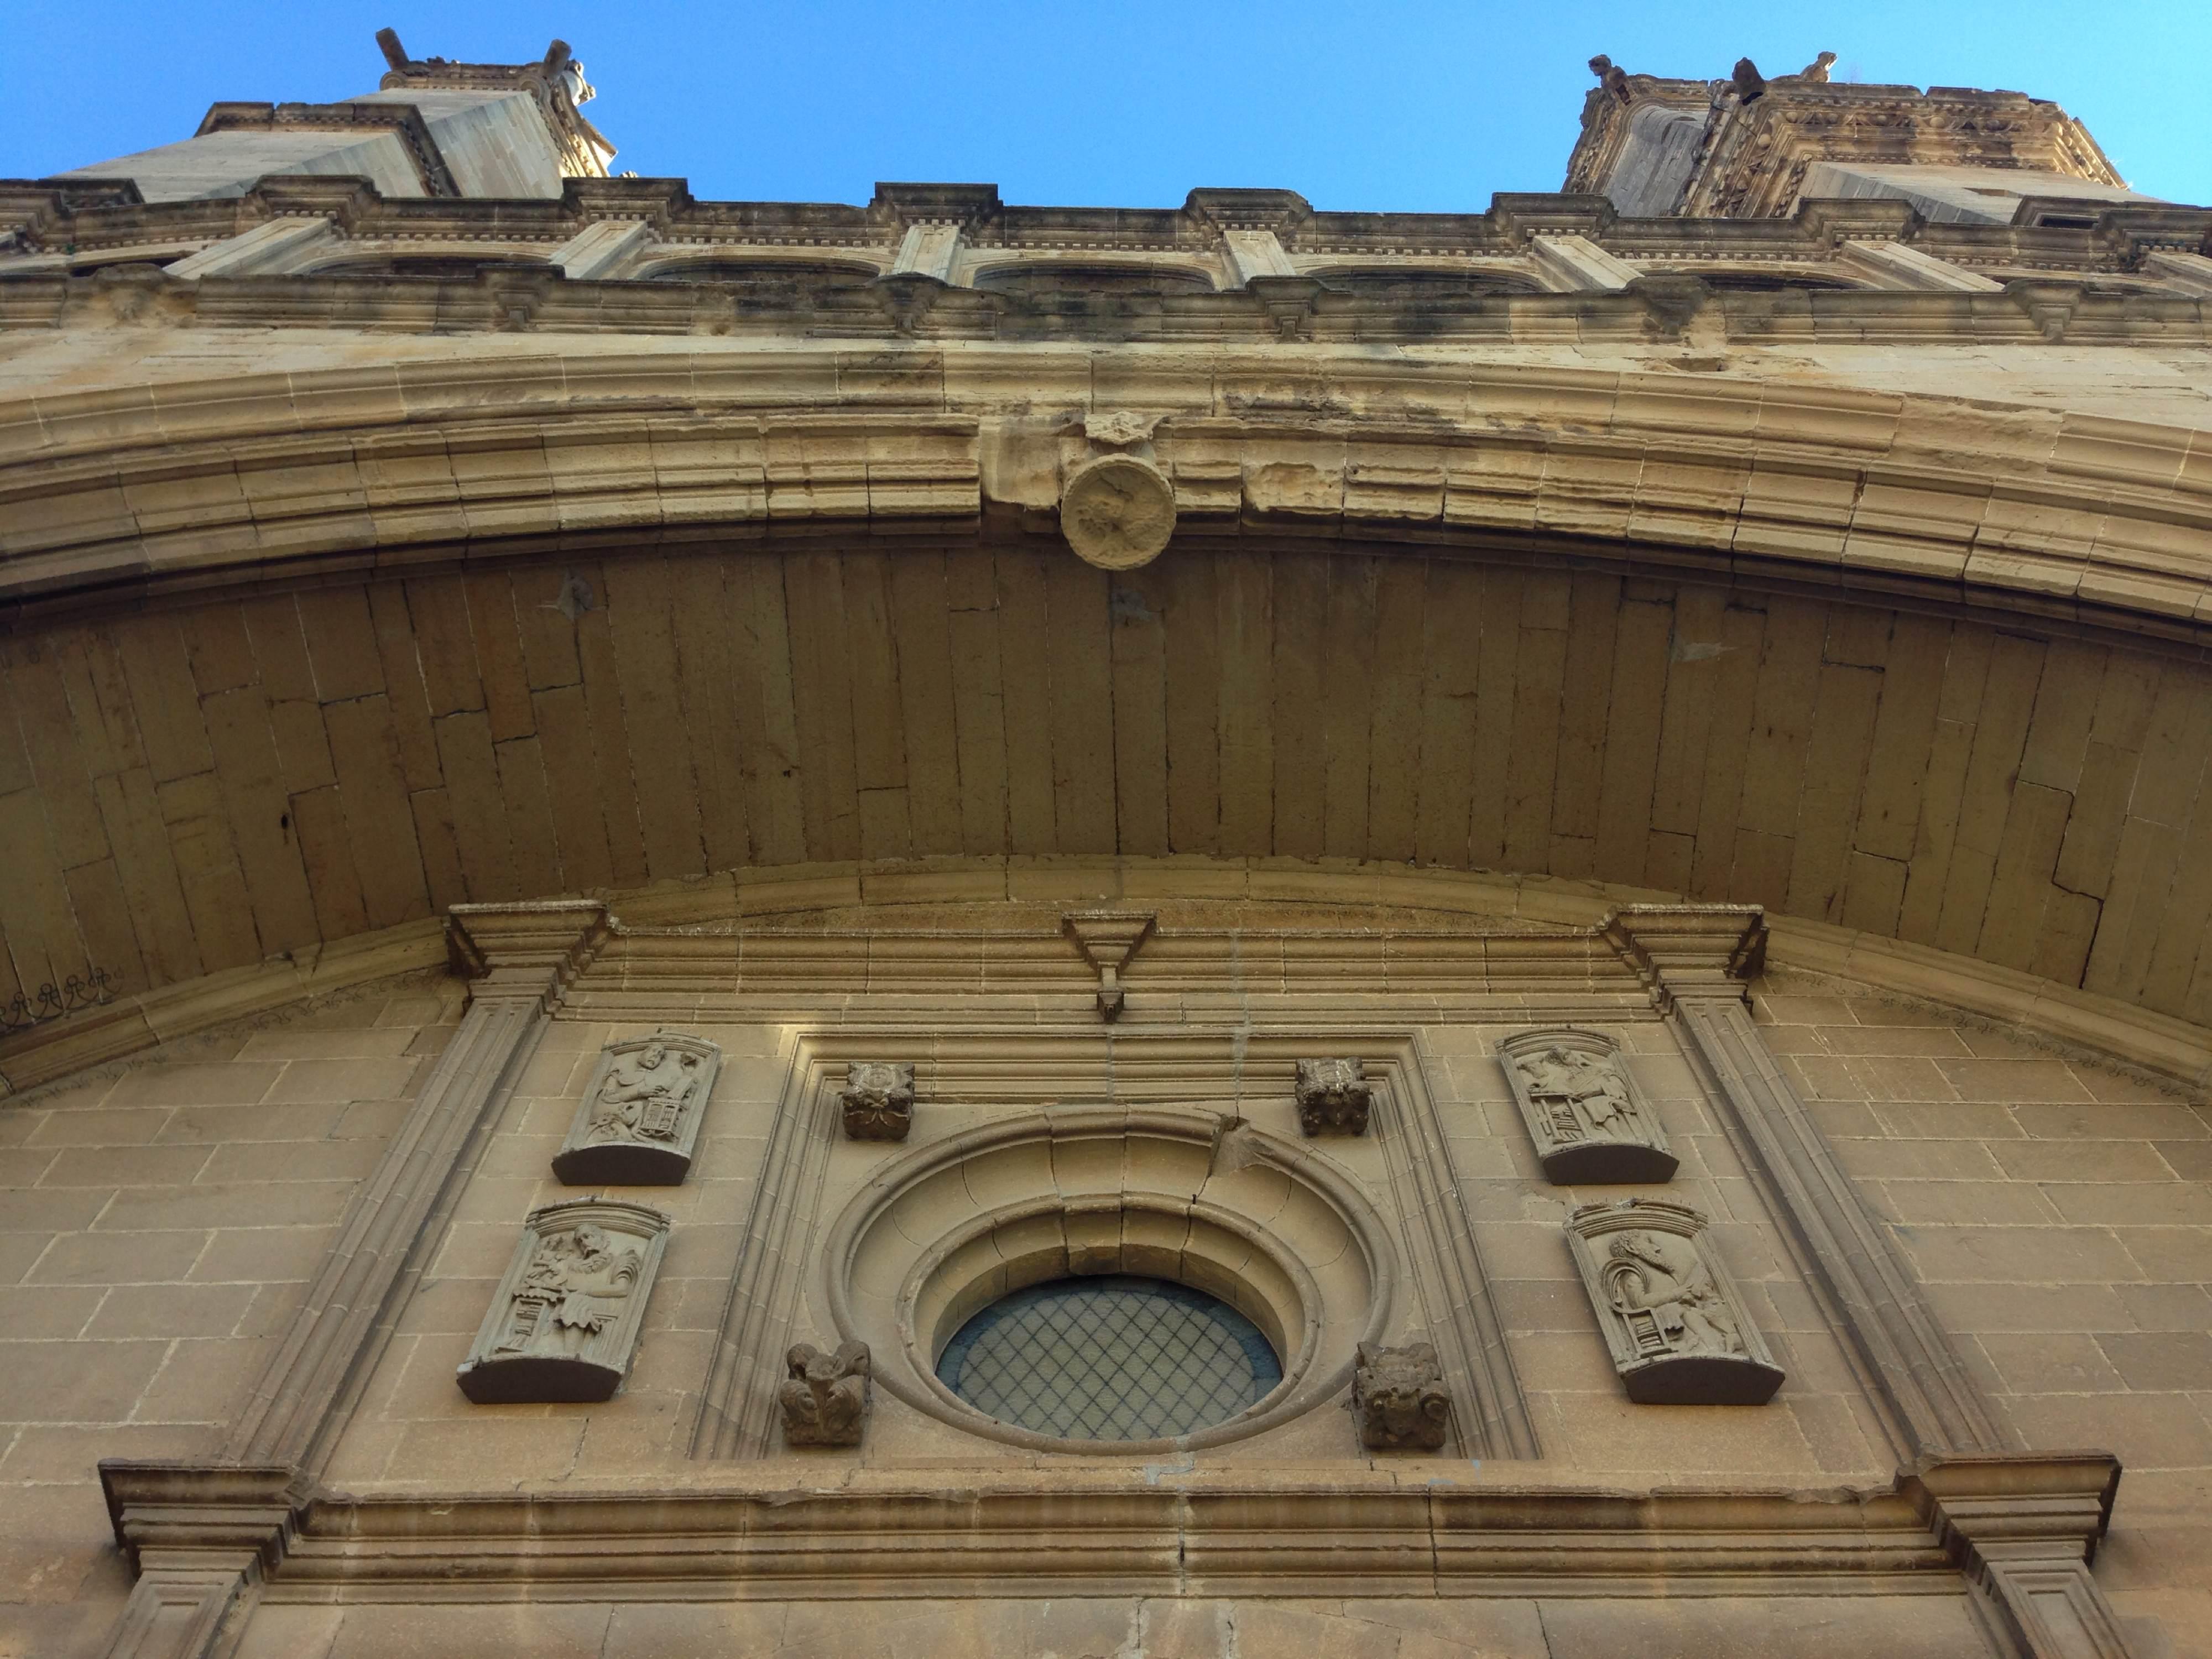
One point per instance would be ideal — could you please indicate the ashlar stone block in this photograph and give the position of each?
(1672, 1317)
(1591, 1123)
(563, 1324)
(640, 1118)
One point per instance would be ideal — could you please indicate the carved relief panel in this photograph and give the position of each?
(563, 1323)
(639, 1119)
(1591, 1123)
(1673, 1319)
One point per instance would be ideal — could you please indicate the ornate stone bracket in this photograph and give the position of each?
(639, 1120)
(1108, 940)
(1589, 1122)
(1399, 1400)
(1673, 1319)
(563, 1324)
(1334, 1097)
(824, 1400)
(878, 1100)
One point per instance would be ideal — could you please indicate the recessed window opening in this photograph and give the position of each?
(1110, 1357)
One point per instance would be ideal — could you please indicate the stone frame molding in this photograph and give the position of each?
(1108, 1190)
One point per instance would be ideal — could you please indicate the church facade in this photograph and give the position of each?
(944, 928)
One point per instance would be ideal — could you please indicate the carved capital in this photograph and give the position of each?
(1398, 1395)
(640, 1118)
(1679, 950)
(1334, 1097)
(2024, 1527)
(824, 1398)
(1673, 1319)
(224, 1518)
(532, 952)
(878, 1099)
(563, 1323)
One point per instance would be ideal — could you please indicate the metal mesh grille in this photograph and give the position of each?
(1112, 1357)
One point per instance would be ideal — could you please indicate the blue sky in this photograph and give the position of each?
(1408, 106)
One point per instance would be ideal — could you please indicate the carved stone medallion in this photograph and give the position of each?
(1333, 1098)
(824, 1400)
(1591, 1123)
(1398, 1395)
(639, 1119)
(1672, 1317)
(1117, 512)
(563, 1323)
(878, 1100)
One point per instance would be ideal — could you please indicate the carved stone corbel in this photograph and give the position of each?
(824, 1399)
(563, 1323)
(1589, 1122)
(1107, 939)
(1334, 1097)
(1672, 1320)
(639, 1120)
(1399, 1398)
(878, 1099)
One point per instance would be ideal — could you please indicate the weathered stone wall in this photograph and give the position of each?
(160, 1222)
(2059, 1212)
(158, 1225)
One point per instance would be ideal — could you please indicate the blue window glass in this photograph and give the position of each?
(1111, 1357)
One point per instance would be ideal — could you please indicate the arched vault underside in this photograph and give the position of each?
(295, 657)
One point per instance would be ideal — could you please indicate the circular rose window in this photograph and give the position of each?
(1110, 1357)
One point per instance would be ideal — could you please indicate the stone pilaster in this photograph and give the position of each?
(202, 1534)
(2022, 1526)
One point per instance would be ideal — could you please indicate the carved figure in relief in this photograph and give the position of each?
(1398, 1395)
(1588, 1121)
(639, 1119)
(1674, 1323)
(1334, 1097)
(1660, 1284)
(563, 1323)
(824, 1399)
(644, 1094)
(1585, 1096)
(573, 1290)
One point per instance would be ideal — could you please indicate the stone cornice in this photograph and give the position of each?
(682, 940)
(1096, 1531)
(115, 494)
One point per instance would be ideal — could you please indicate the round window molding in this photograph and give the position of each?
(1269, 1227)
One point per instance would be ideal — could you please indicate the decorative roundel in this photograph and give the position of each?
(1117, 512)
